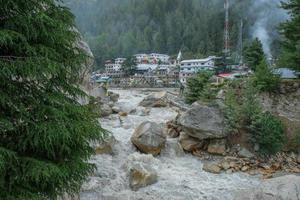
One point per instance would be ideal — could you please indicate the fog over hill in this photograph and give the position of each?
(124, 27)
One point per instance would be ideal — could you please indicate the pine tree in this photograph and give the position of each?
(44, 131)
(290, 31)
(129, 66)
(264, 78)
(196, 87)
(254, 54)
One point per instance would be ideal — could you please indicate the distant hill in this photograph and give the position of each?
(124, 27)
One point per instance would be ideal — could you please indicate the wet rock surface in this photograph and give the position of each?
(157, 99)
(203, 122)
(105, 146)
(141, 170)
(149, 138)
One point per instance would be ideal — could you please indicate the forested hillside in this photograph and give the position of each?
(124, 27)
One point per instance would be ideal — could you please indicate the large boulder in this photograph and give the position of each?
(203, 122)
(141, 170)
(126, 107)
(149, 138)
(157, 99)
(86, 70)
(285, 187)
(189, 143)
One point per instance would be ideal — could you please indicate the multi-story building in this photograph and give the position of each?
(153, 58)
(145, 68)
(114, 69)
(189, 68)
(141, 58)
(157, 58)
(120, 60)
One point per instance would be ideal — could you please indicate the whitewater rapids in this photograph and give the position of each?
(179, 178)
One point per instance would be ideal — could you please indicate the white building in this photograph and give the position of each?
(156, 57)
(120, 60)
(153, 58)
(189, 68)
(114, 69)
(141, 57)
(145, 68)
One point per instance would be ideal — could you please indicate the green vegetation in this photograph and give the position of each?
(290, 31)
(44, 131)
(232, 112)
(254, 54)
(264, 79)
(268, 132)
(129, 66)
(243, 111)
(198, 87)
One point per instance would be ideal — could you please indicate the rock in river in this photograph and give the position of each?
(149, 138)
(157, 99)
(141, 171)
(105, 146)
(212, 168)
(105, 110)
(203, 122)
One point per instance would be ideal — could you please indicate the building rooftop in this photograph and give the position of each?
(199, 60)
(286, 73)
(146, 66)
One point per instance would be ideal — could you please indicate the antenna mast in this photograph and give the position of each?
(241, 46)
(226, 29)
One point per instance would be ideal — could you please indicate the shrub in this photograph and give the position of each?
(268, 132)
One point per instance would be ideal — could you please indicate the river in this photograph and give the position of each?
(179, 177)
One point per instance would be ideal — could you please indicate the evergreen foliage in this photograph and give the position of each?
(254, 54)
(290, 31)
(268, 132)
(232, 112)
(243, 111)
(44, 131)
(197, 87)
(264, 78)
(129, 66)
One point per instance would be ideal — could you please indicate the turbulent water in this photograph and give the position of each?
(179, 177)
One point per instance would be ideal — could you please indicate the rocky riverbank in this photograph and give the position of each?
(147, 156)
